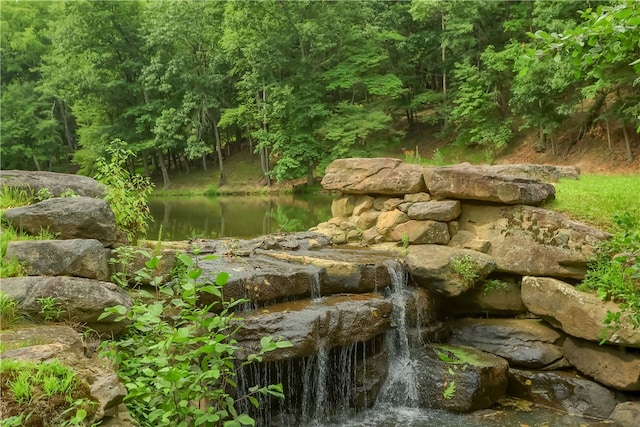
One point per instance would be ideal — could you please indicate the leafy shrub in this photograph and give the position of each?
(464, 267)
(615, 274)
(178, 360)
(127, 195)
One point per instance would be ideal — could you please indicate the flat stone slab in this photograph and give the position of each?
(56, 183)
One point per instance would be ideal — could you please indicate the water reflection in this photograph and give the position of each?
(182, 218)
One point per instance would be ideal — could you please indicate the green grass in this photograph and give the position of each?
(594, 199)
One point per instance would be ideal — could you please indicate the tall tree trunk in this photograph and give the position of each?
(35, 160)
(216, 131)
(627, 143)
(204, 162)
(443, 54)
(310, 178)
(163, 168)
(145, 163)
(67, 130)
(264, 152)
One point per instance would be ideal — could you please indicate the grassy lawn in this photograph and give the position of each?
(594, 199)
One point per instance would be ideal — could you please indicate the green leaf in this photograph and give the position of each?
(222, 278)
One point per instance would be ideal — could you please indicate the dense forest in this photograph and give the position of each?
(299, 83)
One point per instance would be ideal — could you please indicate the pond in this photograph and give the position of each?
(182, 218)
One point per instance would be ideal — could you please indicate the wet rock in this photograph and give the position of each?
(467, 182)
(614, 367)
(68, 218)
(533, 241)
(56, 183)
(445, 270)
(303, 240)
(579, 314)
(79, 300)
(564, 391)
(370, 376)
(75, 257)
(526, 343)
(435, 210)
(460, 379)
(331, 322)
(373, 176)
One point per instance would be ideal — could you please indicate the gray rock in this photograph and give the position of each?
(80, 300)
(68, 217)
(546, 173)
(434, 267)
(627, 414)
(487, 299)
(56, 183)
(435, 210)
(421, 232)
(75, 257)
(532, 241)
(467, 182)
(373, 176)
(562, 390)
(579, 314)
(525, 343)
(460, 379)
(614, 367)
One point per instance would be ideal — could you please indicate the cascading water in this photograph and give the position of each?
(400, 387)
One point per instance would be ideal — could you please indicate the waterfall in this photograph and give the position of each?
(315, 287)
(400, 388)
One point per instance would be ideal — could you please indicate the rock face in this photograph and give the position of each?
(447, 271)
(75, 257)
(68, 218)
(331, 322)
(564, 391)
(579, 314)
(466, 182)
(460, 379)
(609, 365)
(526, 343)
(546, 173)
(373, 176)
(56, 183)
(79, 300)
(532, 241)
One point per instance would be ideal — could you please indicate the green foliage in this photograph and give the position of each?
(615, 274)
(48, 392)
(449, 390)
(50, 308)
(405, 243)
(8, 311)
(465, 268)
(494, 285)
(178, 360)
(127, 195)
(12, 197)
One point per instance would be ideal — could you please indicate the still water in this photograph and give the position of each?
(182, 218)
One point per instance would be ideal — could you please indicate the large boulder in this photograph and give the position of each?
(68, 218)
(48, 342)
(467, 182)
(526, 343)
(56, 183)
(562, 390)
(609, 365)
(333, 321)
(79, 300)
(579, 314)
(532, 241)
(445, 270)
(460, 379)
(373, 176)
(75, 257)
(627, 414)
(546, 173)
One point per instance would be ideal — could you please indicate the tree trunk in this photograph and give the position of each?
(35, 160)
(264, 163)
(67, 130)
(444, 73)
(216, 131)
(310, 178)
(163, 168)
(204, 162)
(627, 143)
(145, 163)
(541, 146)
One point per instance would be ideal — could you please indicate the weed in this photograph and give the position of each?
(14, 197)
(494, 285)
(49, 391)
(464, 267)
(43, 194)
(449, 390)
(8, 311)
(405, 243)
(50, 308)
